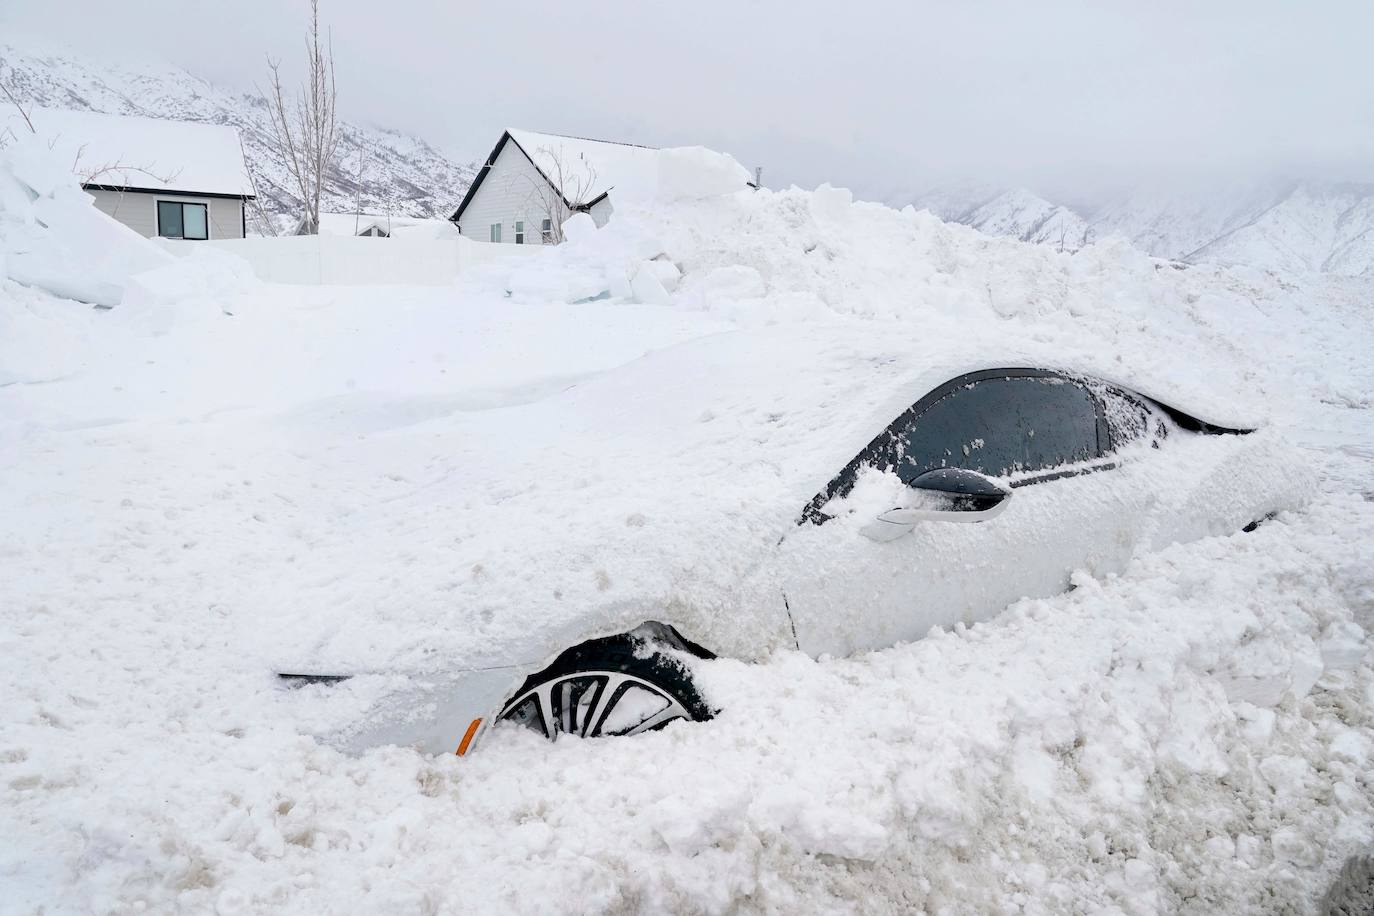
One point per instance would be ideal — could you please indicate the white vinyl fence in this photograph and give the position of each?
(356, 260)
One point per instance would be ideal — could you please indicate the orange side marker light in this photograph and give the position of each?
(467, 738)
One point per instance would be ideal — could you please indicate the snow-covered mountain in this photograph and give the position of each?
(1029, 217)
(1295, 227)
(383, 171)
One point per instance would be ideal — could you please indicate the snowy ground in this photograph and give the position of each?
(1091, 753)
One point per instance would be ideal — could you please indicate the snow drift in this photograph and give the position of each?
(52, 237)
(1194, 735)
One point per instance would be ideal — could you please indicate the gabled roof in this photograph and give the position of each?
(590, 169)
(153, 154)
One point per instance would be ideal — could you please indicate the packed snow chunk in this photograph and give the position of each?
(206, 282)
(831, 203)
(1291, 845)
(646, 287)
(696, 173)
(1264, 671)
(57, 240)
(666, 272)
(578, 228)
(1343, 646)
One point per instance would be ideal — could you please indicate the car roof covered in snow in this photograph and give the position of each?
(145, 154)
(658, 482)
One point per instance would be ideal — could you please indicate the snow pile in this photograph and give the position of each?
(696, 173)
(52, 237)
(205, 282)
(184, 498)
(762, 257)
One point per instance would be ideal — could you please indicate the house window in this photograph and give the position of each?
(519, 232)
(177, 220)
(546, 231)
(496, 232)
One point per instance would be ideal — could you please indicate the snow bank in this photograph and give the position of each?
(1194, 336)
(182, 498)
(52, 237)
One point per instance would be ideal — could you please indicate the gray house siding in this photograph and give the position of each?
(513, 192)
(138, 210)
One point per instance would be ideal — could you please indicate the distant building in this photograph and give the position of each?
(373, 225)
(175, 179)
(532, 182)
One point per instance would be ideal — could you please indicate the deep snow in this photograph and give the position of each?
(1191, 736)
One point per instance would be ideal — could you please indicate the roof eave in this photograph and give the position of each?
(134, 189)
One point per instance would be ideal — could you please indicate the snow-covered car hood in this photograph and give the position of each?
(657, 484)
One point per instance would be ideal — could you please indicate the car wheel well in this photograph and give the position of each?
(660, 639)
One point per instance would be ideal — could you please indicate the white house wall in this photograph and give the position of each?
(513, 190)
(138, 211)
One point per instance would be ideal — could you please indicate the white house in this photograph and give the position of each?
(532, 182)
(175, 179)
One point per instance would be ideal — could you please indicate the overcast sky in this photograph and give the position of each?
(884, 97)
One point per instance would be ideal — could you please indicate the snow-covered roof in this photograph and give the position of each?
(358, 223)
(586, 170)
(146, 154)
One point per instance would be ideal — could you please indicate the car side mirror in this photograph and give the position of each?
(943, 495)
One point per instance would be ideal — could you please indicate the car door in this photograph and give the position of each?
(1073, 505)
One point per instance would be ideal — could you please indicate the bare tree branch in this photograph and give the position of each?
(567, 190)
(305, 130)
(93, 175)
(260, 215)
(4, 87)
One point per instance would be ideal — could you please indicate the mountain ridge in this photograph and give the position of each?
(1294, 226)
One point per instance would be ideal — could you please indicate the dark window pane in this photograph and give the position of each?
(169, 219)
(1002, 426)
(194, 223)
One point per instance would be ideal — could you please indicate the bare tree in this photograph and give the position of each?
(568, 189)
(260, 215)
(305, 133)
(358, 193)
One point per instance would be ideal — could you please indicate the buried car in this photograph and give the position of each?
(821, 489)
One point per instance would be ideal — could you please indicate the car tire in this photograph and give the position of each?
(618, 685)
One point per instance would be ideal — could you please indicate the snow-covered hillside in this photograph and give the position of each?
(398, 174)
(1296, 227)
